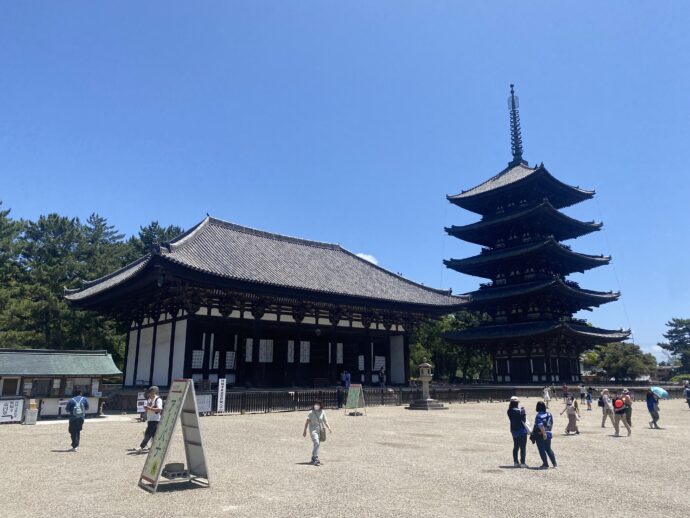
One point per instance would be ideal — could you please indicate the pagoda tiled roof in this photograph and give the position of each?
(565, 289)
(480, 264)
(564, 226)
(517, 175)
(537, 329)
(228, 251)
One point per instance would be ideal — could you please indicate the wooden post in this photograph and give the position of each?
(124, 378)
(153, 347)
(172, 344)
(136, 353)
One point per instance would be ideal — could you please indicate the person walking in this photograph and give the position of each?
(583, 393)
(573, 412)
(589, 398)
(382, 377)
(153, 409)
(346, 379)
(620, 415)
(564, 390)
(627, 400)
(653, 407)
(76, 409)
(547, 396)
(606, 408)
(519, 430)
(316, 423)
(543, 424)
(686, 392)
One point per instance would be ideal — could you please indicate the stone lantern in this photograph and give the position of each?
(425, 402)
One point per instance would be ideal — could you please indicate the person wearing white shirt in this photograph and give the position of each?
(153, 408)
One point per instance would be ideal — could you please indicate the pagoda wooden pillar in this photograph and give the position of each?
(494, 369)
(547, 356)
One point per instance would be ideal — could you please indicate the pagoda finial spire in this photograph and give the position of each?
(515, 133)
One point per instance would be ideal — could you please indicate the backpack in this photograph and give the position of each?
(78, 408)
(619, 406)
(601, 401)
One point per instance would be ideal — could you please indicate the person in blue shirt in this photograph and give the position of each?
(653, 407)
(76, 409)
(346, 379)
(519, 431)
(543, 424)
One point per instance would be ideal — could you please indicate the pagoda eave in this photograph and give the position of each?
(584, 299)
(531, 331)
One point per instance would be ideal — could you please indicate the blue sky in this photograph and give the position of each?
(349, 122)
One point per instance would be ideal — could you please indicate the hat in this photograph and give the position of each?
(626, 391)
(154, 388)
(515, 398)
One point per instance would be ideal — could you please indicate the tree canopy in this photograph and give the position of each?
(620, 360)
(449, 360)
(38, 259)
(678, 344)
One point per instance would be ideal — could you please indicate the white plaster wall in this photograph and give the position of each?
(178, 353)
(397, 367)
(129, 368)
(160, 367)
(144, 365)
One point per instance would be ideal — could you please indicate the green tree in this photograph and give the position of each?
(678, 344)
(625, 361)
(151, 235)
(447, 359)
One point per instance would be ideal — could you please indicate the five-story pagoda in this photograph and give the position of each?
(532, 335)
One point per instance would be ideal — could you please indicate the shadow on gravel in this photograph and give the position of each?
(68, 450)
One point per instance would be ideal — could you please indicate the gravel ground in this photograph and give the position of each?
(392, 462)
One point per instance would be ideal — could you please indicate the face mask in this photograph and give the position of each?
(317, 408)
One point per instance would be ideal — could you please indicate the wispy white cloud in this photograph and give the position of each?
(368, 257)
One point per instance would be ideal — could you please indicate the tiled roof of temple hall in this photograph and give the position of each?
(234, 252)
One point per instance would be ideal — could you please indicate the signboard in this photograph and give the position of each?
(141, 403)
(11, 410)
(204, 403)
(220, 407)
(355, 398)
(180, 406)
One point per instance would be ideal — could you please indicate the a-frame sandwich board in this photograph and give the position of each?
(179, 406)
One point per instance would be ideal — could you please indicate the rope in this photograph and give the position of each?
(615, 272)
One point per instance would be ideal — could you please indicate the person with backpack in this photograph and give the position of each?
(588, 398)
(541, 434)
(153, 408)
(620, 414)
(316, 423)
(606, 408)
(686, 392)
(76, 409)
(628, 400)
(519, 430)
